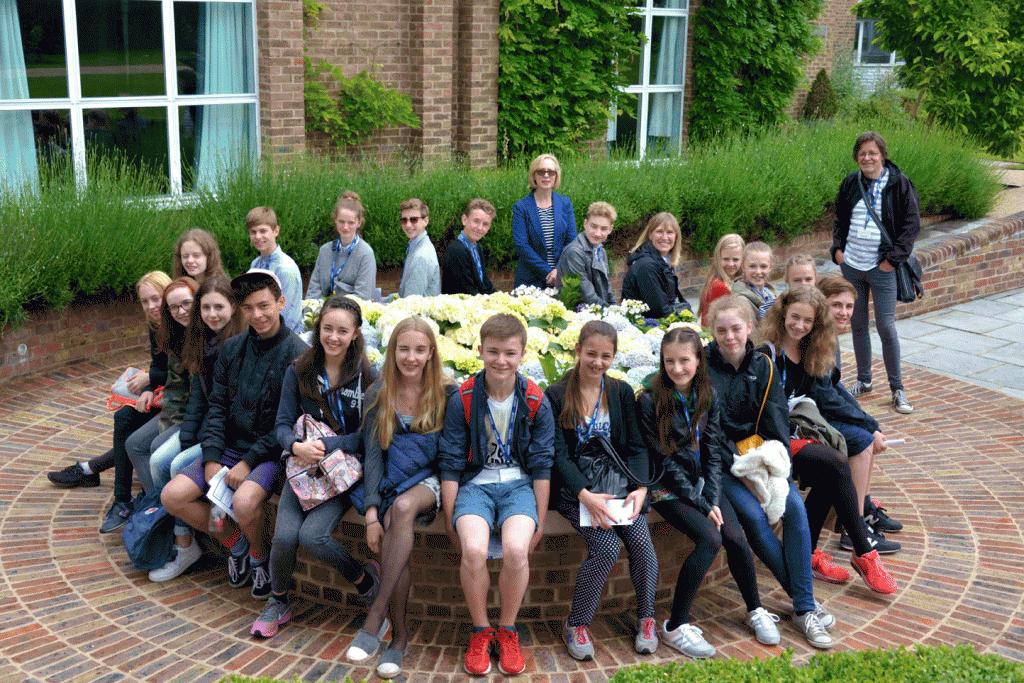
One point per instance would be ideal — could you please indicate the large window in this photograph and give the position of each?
(866, 51)
(164, 85)
(654, 127)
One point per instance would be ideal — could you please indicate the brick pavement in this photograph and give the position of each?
(73, 609)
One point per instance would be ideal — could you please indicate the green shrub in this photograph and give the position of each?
(821, 100)
(772, 184)
(922, 665)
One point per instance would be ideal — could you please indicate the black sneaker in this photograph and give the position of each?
(239, 571)
(117, 517)
(876, 541)
(875, 516)
(73, 476)
(260, 580)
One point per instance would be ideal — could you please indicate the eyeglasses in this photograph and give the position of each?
(183, 307)
(412, 220)
(546, 172)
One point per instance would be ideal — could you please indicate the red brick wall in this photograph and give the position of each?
(282, 123)
(836, 25)
(56, 338)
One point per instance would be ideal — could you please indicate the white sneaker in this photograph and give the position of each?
(183, 559)
(688, 639)
(813, 631)
(762, 623)
(824, 616)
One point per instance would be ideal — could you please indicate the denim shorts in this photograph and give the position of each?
(265, 475)
(496, 502)
(857, 438)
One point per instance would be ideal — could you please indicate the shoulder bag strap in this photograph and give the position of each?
(874, 215)
(767, 390)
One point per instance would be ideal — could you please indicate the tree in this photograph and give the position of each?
(964, 57)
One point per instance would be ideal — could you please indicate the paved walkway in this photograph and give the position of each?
(73, 609)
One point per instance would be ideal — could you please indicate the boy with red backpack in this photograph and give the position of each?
(496, 453)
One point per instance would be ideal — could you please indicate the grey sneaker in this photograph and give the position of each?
(646, 637)
(900, 402)
(276, 613)
(688, 639)
(578, 642)
(762, 623)
(858, 388)
(117, 516)
(813, 631)
(825, 617)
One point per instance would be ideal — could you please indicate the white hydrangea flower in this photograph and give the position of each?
(636, 375)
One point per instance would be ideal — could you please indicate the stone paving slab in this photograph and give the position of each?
(72, 608)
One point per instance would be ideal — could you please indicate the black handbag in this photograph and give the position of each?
(605, 470)
(908, 274)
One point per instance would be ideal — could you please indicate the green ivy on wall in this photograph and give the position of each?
(747, 62)
(350, 110)
(557, 72)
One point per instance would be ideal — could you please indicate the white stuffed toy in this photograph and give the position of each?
(766, 468)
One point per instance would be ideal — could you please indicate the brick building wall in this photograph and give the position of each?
(836, 26)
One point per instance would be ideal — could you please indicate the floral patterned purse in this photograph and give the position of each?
(336, 473)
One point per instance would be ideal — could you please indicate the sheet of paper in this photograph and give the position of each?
(220, 494)
(619, 508)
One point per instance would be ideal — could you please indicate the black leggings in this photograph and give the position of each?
(126, 421)
(827, 473)
(684, 516)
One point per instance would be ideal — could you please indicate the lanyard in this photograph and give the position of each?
(755, 290)
(875, 190)
(334, 264)
(695, 429)
(504, 447)
(476, 256)
(334, 401)
(584, 436)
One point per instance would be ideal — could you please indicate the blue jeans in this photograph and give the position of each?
(790, 560)
(166, 462)
(882, 287)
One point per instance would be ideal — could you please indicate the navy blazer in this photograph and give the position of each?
(532, 267)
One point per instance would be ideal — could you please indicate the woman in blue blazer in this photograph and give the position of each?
(538, 251)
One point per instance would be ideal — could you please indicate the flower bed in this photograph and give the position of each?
(552, 331)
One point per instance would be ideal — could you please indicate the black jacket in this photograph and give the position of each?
(686, 466)
(651, 280)
(831, 404)
(157, 363)
(246, 392)
(625, 434)
(458, 272)
(293, 404)
(901, 214)
(199, 395)
(742, 391)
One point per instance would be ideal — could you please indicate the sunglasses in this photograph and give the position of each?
(411, 220)
(546, 172)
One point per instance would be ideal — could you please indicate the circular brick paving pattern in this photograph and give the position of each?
(73, 609)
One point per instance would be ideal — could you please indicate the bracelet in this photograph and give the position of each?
(376, 521)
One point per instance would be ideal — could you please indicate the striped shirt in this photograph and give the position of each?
(865, 235)
(547, 226)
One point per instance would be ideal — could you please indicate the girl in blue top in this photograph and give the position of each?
(400, 435)
(543, 224)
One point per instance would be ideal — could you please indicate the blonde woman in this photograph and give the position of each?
(726, 267)
(543, 224)
(651, 277)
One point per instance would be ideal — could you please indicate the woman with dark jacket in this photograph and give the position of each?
(679, 421)
(756, 406)
(651, 277)
(543, 224)
(590, 406)
(327, 382)
(869, 253)
(801, 336)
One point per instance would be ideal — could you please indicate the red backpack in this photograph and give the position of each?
(534, 397)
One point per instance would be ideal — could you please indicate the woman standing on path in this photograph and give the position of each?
(869, 253)
(543, 224)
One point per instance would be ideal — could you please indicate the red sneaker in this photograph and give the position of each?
(874, 573)
(510, 658)
(478, 657)
(825, 569)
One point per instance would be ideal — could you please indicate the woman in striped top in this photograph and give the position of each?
(543, 224)
(869, 253)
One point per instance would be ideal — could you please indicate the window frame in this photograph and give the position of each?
(76, 105)
(858, 49)
(647, 10)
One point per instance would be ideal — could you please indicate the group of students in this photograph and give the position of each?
(237, 380)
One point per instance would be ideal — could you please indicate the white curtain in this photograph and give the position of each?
(664, 111)
(226, 131)
(17, 143)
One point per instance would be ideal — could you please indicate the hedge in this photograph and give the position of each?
(64, 244)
